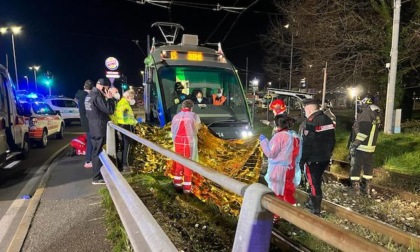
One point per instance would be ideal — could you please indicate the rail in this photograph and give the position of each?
(254, 227)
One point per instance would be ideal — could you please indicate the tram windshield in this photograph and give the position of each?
(209, 81)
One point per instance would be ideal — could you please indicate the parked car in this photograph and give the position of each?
(43, 122)
(67, 107)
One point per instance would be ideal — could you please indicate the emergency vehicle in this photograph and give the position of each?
(14, 133)
(43, 122)
(198, 68)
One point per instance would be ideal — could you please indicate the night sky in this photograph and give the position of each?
(72, 39)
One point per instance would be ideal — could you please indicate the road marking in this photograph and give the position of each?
(23, 228)
(7, 220)
(12, 164)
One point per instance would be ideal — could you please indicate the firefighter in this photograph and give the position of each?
(278, 107)
(363, 143)
(283, 152)
(184, 129)
(124, 117)
(318, 141)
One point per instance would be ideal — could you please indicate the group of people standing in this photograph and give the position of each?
(289, 154)
(97, 105)
(309, 152)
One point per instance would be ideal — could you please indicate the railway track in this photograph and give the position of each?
(397, 235)
(285, 244)
(344, 179)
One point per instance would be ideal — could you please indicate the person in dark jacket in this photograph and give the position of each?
(363, 143)
(318, 138)
(99, 104)
(200, 99)
(80, 97)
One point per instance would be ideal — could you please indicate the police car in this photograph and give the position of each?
(43, 122)
(67, 107)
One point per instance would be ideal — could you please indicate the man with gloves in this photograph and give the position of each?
(283, 152)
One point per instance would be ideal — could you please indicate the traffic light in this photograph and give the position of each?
(124, 85)
(48, 78)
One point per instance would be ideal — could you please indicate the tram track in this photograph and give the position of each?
(397, 235)
(345, 180)
(282, 241)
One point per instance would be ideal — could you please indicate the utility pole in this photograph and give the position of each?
(291, 65)
(390, 94)
(324, 86)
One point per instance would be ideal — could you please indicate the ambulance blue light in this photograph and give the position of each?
(32, 96)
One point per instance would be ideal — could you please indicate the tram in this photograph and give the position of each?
(197, 68)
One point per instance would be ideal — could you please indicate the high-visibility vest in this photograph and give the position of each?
(123, 113)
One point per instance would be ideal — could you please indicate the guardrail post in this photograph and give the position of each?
(253, 232)
(111, 149)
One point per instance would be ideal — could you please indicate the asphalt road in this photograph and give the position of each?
(56, 219)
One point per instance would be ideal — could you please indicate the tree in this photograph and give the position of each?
(353, 36)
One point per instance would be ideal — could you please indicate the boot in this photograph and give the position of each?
(309, 203)
(355, 185)
(317, 204)
(365, 187)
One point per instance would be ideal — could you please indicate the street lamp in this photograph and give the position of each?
(291, 59)
(353, 93)
(35, 68)
(27, 82)
(142, 76)
(15, 30)
(255, 82)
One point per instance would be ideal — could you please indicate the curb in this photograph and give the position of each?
(23, 229)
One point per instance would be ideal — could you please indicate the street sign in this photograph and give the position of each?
(111, 63)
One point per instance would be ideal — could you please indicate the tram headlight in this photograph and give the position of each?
(246, 134)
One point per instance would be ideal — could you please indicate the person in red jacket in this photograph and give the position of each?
(184, 129)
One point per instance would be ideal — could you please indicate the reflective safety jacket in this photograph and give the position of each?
(124, 113)
(365, 129)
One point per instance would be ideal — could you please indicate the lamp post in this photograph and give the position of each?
(27, 82)
(254, 83)
(291, 59)
(14, 30)
(142, 76)
(354, 93)
(35, 68)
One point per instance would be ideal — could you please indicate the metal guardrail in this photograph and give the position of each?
(255, 222)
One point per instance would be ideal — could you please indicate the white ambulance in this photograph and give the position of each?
(14, 133)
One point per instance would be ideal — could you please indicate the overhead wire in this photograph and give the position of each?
(218, 25)
(237, 18)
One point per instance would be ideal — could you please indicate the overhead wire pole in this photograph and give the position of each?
(390, 94)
